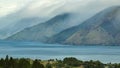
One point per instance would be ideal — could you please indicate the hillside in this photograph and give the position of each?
(103, 29)
(43, 31)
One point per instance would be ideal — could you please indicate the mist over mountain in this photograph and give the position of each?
(103, 28)
(43, 31)
(32, 12)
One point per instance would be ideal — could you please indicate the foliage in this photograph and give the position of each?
(71, 61)
(65, 63)
(48, 65)
(37, 64)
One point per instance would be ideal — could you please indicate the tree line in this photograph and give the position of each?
(69, 62)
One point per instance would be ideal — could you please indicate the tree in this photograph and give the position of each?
(6, 62)
(36, 64)
(98, 64)
(12, 63)
(23, 63)
(59, 64)
(71, 61)
(2, 62)
(48, 65)
(93, 64)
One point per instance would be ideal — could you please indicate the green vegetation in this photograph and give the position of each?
(69, 62)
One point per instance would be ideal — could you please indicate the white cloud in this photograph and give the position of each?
(10, 6)
(46, 7)
(7, 9)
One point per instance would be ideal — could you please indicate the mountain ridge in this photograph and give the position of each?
(101, 29)
(95, 30)
(42, 30)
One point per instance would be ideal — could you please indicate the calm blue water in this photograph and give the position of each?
(34, 50)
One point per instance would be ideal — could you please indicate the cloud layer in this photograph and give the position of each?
(49, 7)
(10, 6)
(11, 11)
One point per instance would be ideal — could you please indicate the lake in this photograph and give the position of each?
(42, 51)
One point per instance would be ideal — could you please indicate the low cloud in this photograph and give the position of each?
(12, 11)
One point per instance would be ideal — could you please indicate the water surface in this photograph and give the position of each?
(36, 50)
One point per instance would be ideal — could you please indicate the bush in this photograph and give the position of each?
(24, 63)
(37, 64)
(48, 65)
(71, 61)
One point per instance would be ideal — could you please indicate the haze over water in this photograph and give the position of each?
(35, 50)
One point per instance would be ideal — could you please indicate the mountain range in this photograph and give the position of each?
(14, 23)
(103, 28)
(41, 32)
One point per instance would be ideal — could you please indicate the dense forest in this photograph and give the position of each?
(69, 62)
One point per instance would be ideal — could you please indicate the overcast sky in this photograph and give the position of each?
(10, 6)
(49, 8)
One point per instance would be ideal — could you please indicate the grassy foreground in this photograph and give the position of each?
(69, 62)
